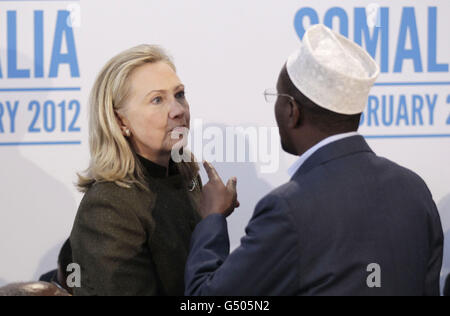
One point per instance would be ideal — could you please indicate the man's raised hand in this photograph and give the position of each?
(218, 198)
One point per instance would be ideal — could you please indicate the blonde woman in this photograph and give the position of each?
(133, 227)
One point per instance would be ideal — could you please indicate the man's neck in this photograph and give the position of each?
(315, 138)
(310, 140)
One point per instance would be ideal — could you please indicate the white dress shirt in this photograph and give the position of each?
(296, 166)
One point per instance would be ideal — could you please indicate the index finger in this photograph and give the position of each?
(211, 171)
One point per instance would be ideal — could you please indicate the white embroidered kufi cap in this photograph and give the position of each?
(332, 71)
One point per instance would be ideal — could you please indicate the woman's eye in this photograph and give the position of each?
(180, 95)
(157, 100)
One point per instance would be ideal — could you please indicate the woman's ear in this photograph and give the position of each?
(122, 121)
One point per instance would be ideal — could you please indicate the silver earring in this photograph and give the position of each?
(127, 132)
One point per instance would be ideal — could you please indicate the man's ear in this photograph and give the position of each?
(294, 115)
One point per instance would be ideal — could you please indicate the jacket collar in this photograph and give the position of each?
(301, 160)
(332, 151)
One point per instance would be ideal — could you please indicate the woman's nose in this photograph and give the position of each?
(176, 110)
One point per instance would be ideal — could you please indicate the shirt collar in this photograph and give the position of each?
(302, 159)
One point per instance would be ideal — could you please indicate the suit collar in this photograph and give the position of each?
(332, 151)
(301, 160)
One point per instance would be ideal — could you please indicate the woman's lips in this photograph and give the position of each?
(179, 132)
(180, 129)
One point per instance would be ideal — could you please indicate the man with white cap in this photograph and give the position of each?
(348, 222)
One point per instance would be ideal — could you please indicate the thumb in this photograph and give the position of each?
(231, 185)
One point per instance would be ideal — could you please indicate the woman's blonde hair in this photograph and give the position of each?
(112, 157)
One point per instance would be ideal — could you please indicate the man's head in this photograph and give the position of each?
(323, 89)
(301, 120)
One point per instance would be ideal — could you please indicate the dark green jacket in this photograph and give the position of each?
(134, 242)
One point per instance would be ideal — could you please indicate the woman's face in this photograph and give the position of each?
(155, 109)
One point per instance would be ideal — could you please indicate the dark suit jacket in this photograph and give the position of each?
(447, 286)
(49, 277)
(344, 209)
